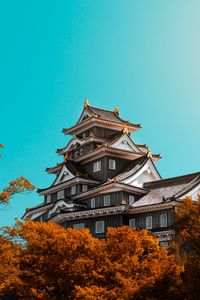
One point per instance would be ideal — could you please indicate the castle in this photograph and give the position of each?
(107, 180)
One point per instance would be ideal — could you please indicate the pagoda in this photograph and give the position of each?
(107, 180)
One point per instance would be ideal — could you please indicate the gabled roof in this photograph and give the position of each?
(133, 167)
(110, 186)
(104, 114)
(124, 142)
(93, 114)
(73, 167)
(168, 189)
(77, 141)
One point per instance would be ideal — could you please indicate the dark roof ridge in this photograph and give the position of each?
(192, 184)
(141, 161)
(171, 179)
(93, 107)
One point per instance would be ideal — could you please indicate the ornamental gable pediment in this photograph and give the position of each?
(84, 116)
(125, 143)
(63, 176)
(147, 173)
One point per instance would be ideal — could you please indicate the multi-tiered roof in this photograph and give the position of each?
(102, 159)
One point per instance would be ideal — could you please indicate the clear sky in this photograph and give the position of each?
(142, 55)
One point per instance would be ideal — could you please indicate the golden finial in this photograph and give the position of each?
(125, 129)
(86, 103)
(77, 174)
(116, 110)
(149, 153)
(123, 202)
(91, 134)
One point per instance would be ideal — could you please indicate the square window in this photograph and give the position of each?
(79, 226)
(149, 222)
(132, 223)
(60, 195)
(85, 187)
(76, 154)
(81, 151)
(92, 203)
(48, 199)
(131, 199)
(106, 200)
(163, 220)
(97, 166)
(100, 227)
(112, 164)
(73, 190)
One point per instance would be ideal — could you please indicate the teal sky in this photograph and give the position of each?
(142, 55)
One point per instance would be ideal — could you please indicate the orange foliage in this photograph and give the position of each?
(188, 241)
(9, 265)
(59, 263)
(19, 185)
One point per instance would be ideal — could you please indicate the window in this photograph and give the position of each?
(79, 226)
(60, 195)
(132, 223)
(131, 199)
(81, 151)
(84, 135)
(73, 190)
(92, 203)
(112, 164)
(106, 200)
(97, 166)
(85, 187)
(163, 220)
(100, 227)
(149, 222)
(48, 198)
(164, 244)
(76, 154)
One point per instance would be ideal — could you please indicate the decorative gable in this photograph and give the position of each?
(61, 205)
(85, 115)
(64, 175)
(147, 173)
(125, 143)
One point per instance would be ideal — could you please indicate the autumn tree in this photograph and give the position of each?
(59, 263)
(18, 185)
(9, 259)
(188, 241)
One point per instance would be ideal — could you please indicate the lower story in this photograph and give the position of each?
(161, 223)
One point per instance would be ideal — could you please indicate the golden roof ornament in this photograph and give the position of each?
(91, 134)
(123, 202)
(78, 174)
(125, 129)
(149, 153)
(112, 180)
(86, 103)
(116, 110)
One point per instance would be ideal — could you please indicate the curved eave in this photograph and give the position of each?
(66, 184)
(188, 188)
(156, 157)
(113, 210)
(151, 207)
(103, 150)
(118, 126)
(135, 170)
(55, 169)
(82, 142)
(112, 188)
